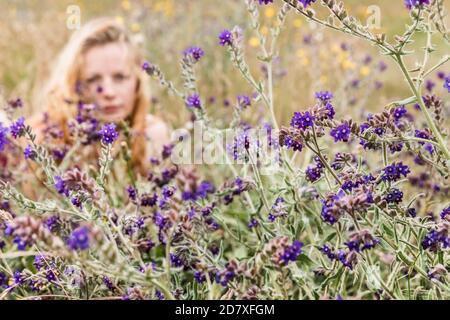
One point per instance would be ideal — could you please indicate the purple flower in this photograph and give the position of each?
(61, 186)
(253, 223)
(412, 212)
(324, 96)
(313, 173)
(447, 83)
(415, 3)
(109, 133)
(19, 278)
(204, 188)
(76, 201)
(108, 283)
(225, 38)
(244, 101)
(289, 142)
(422, 135)
(79, 239)
(429, 85)
(265, 1)
(18, 128)
(29, 153)
(306, 3)
(341, 132)
(16, 103)
(52, 223)
(399, 112)
(146, 66)
(21, 243)
(330, 110)
(194, 101)
(302, 120)
(176, 260)
(394, 196)
(3, 137)
(3, 279)
(195, 52)
(149, 201)
(394, 172)
(292, 252)
(199, 277)
(445, 212)
(278, 210)
(159, 295)
(329, 253)
(167, 151)
(131, 192)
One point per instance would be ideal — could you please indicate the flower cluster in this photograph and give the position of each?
(302, 120)
(109, 133)
(281, 252)
(226, 38)
(278, 209)
(195, 53)
(340, 203)
(395, 171)
(416, 3)
(314, 172)
(341, 132)
(193, 101)
(3, 137)
(17, 129)
(79, 239)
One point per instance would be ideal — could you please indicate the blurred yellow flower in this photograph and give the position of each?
(165, 6)
(120, 20)
(254, 41)
(126, 5)
(270, 12)
(364, 71)
(298, 23)
(342, 57)
(135, 27)
(264, 30)
(304, 61)
(348, 64)
(301, 53)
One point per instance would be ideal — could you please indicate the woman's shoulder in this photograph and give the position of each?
(3, 118)
(156, 128)
(157, 134)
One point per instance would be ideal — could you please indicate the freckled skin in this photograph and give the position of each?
(109, 81)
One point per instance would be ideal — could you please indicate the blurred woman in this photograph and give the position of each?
(98, 79)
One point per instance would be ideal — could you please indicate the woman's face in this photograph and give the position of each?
(109, 81)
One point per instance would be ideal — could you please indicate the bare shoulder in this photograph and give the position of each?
(158, 134)
(156, 128)
(3, 118)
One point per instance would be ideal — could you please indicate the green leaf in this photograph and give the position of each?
(304, 259)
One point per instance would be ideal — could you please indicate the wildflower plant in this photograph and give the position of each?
(298, 212)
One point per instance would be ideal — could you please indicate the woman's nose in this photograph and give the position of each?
(107, 89)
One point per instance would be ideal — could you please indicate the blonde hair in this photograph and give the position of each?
(63, 82)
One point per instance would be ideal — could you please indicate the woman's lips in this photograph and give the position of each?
(111, 109)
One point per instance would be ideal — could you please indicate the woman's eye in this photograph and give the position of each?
(120, 77)
(92, 80)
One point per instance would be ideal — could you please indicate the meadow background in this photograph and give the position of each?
(33, 32)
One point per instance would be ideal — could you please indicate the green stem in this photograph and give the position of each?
(416, 91)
